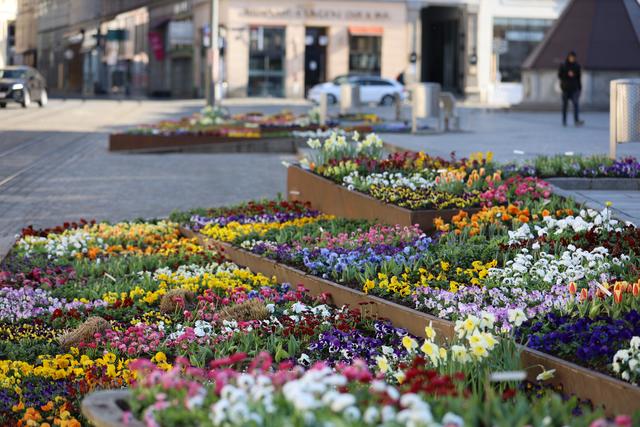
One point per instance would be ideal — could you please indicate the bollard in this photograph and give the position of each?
(624, 113)
(425, 104)
(349, 97)
(324, 102)
(397, 102)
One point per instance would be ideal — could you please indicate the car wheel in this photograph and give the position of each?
(3, 105)
(387, 100)
(44, 98)
(26, 100)
(331, 99)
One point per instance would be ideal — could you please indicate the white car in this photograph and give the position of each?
(372, 89)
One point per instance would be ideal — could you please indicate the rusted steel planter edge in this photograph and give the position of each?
(329, 197)
(154, 143)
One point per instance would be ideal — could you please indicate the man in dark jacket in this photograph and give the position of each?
(571, 85)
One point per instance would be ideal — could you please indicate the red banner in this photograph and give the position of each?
(157, 45)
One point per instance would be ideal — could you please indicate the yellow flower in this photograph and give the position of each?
(430, 349)
(429, 331)
(479, 351)
(409, 343)
(383, 364)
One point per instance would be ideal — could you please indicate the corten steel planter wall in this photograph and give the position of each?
(133, 143)
(331, 198)
(618, 397)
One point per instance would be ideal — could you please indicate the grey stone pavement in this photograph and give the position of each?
(516, 136)
(55, 167)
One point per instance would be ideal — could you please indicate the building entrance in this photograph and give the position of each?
(443, 47)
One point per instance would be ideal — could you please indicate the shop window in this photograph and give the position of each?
(514, 39)
(266, 61)
(365, 54)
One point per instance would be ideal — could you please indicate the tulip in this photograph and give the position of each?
(636, 289)
(617, 296)
(584, 295)
(572, 288)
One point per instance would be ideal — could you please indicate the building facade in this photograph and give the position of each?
(470, 47)
(8, 12)
(281, 48)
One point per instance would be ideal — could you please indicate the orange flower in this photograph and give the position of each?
(523, 218)
(617, 296)
(572, 288)
(47, 407)
(506, 217)
(636, 289)
(584, 294)
(513, 210)
(545, 213)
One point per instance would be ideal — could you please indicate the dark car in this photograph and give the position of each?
(23, 85)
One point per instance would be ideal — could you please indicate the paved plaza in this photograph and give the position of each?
(55, 167)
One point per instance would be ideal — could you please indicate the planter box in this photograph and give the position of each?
(105, 408)
(617, 397)
(199, 143)
(617, 184)
(331, 198)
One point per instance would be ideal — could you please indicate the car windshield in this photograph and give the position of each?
(12, 74)
(341, 80)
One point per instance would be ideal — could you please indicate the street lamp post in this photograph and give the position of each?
(214, 45)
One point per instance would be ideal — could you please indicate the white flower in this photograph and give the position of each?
(516, 316)
(342, 401)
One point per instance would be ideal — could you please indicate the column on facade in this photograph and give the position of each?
(295, 46)
(486, 60)
(338, 54)
(237, 60)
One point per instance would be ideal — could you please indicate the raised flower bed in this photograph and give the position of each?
(380, 267)
(91, 307)
(214, 130)
(355, 179)
(572, 172)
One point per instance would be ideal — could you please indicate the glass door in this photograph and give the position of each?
(266, 61)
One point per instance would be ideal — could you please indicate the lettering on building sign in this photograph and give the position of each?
(308, 13)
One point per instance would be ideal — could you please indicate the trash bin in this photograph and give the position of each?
(349, 96)
(624, 114)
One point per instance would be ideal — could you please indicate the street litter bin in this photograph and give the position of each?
(624, 114)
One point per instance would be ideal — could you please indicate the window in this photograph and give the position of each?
(266, 61)
(514, 39)
(364, 54)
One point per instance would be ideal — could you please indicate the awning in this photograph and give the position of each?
(356, 30)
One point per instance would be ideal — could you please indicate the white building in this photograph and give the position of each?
(8, 11)
(471, 47)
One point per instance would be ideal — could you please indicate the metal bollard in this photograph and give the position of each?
(624, 113)
(349, 97)
(425, 100)
(324, 103)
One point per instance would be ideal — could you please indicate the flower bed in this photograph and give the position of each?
(538, 259)
(213, 130)
(88, 306)
(95, 300)
(354, 179)
(579, 167)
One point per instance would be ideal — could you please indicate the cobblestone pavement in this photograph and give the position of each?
(55, 167)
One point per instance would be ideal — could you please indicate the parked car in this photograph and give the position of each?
(23, 85)
(372, 89)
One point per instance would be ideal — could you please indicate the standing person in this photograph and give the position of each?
(571, 85)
